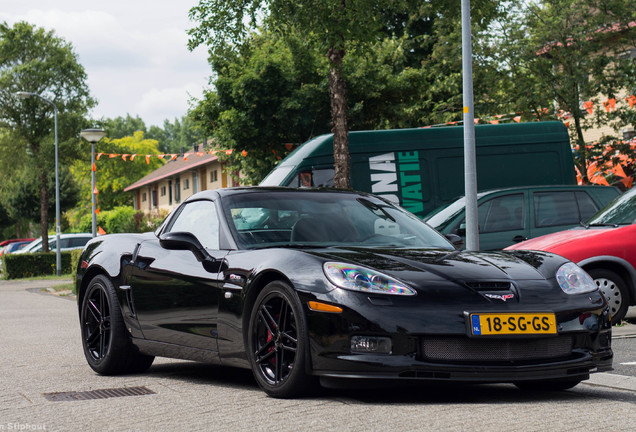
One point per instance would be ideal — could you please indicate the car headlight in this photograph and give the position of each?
(356, 278)
(573, 279)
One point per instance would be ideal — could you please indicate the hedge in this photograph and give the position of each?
(16, 266)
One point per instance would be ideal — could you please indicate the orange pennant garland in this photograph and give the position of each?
(589, 107)
(101, 231)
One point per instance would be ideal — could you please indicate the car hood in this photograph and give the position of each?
(549, 241)
(455, 266)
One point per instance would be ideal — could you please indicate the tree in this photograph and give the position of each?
(273, 93)
(333, 26)
(558, 56)
(113, 175)
(37, 61)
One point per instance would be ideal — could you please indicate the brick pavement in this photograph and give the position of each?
(41, 353)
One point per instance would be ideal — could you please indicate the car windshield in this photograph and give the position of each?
(621, 211)
(324, 219)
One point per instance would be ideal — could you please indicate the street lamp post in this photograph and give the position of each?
(58, 254)
(93, 136)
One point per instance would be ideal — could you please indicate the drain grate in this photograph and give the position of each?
(98, 394)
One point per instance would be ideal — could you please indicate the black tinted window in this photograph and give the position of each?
(501, 214)
(555, 208)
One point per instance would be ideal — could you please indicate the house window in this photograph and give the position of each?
(154, 198)
(214, 176)
(186, 185)
(163, 191)
(143, 197)
(177, 190)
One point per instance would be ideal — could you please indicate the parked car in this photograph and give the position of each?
(10, 246)
(512, 215)
(67, 242)
(306, 285)
(605, 247)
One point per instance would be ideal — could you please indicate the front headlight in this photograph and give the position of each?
(356, 278)
(573, 279)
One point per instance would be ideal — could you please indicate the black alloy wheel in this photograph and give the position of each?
(96, 322)
(277, 342)
(106, 342)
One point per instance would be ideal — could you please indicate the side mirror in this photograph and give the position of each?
(461, 231)
(455, 240)
(184, 241)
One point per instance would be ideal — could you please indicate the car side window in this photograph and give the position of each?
(201, 219)
(587, 207)
(555, 208)
(503, 213)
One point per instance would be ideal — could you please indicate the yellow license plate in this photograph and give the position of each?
(512, 323)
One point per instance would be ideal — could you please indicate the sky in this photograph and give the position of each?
(134, 52)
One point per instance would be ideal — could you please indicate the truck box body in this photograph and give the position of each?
(422, 169)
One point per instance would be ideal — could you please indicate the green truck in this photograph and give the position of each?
(422, 169)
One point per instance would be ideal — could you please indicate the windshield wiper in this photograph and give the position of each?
(600, 225)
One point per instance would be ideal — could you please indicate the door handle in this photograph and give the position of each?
(519, 238)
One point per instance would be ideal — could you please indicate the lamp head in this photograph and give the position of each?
(92, 135)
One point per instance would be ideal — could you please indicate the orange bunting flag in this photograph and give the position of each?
(124, 156)
(589, 107)
(244, 153)
(200, 154)
(618, 170)
(100, 231)
(628, 181)
(132, 157)
(476, 120)
(288, 146)
(517, 119)
(93, 168)
(228, 152)
(161, 156)
(610, 104)
(97, 211)
(185, 156)
(99, 155)
(499, 116)
(631, 100)
(112, 155)
(494, 122)
(95, 192)
(451, 123)
(173, 157)
(148, 159)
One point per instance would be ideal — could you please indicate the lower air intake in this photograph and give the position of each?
(464, 349)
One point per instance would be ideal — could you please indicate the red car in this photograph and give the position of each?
(605, 247)
(11, 243)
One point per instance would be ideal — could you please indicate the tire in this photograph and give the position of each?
(107, 346)
(548, 385)
(277, 343)
(614, 290)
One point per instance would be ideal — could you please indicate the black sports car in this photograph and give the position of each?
(307, 285)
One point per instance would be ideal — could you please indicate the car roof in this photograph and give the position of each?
(216, 193)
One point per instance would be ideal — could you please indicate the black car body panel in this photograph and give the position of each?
(177, 305)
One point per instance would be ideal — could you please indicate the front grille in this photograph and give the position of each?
(489, 286)
(472, 350)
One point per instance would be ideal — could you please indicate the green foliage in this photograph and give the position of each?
(562, 53)
(274, 93)
(37, 61)
(17, 266)
(75, 257)
(274, 88)
(122, 220)
(113, 175)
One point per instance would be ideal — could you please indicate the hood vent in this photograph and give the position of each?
(489, 286)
